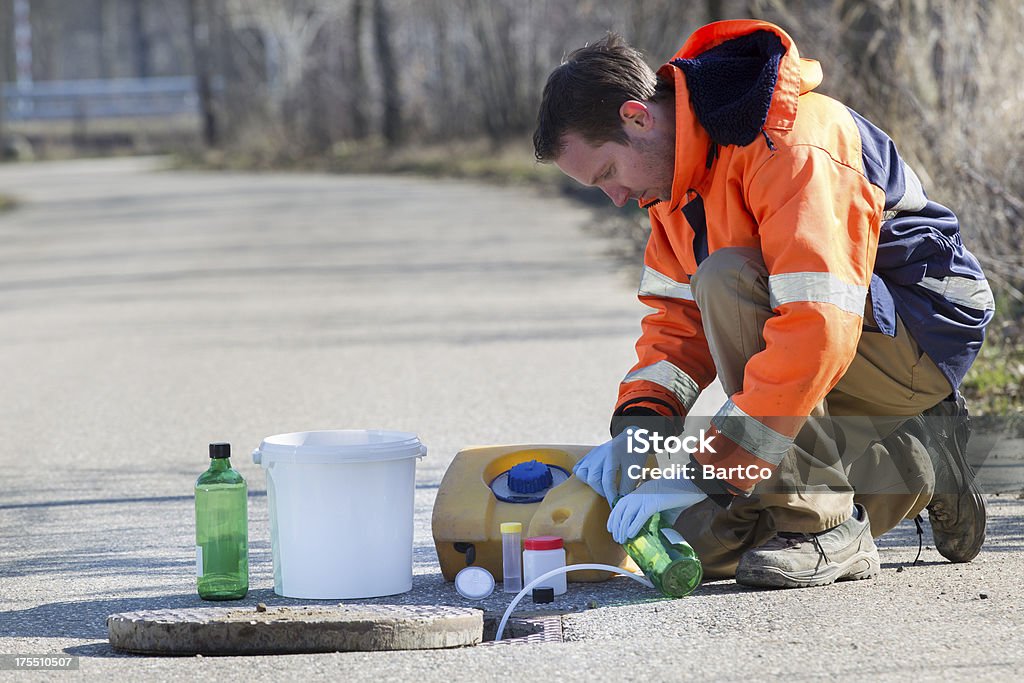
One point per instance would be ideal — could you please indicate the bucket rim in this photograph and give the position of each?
(391, 445)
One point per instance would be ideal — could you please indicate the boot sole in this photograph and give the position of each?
(862, 565)
(972, 498)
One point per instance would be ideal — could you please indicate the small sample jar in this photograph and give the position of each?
(512, 557)
(542, 554)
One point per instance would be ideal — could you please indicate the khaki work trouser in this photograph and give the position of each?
(872, 462)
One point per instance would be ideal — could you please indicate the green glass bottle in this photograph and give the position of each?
(665, 558)
(222, 536)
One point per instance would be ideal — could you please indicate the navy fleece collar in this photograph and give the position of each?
(731, 86)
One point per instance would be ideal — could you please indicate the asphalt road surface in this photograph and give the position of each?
(145, 313)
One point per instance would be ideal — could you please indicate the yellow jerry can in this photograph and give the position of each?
(531, 484)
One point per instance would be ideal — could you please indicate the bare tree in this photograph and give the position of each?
(357, 72)
(199, 23)
(5, 46)
(3, 112)
(140, 36)
(288, 32)
(392, 123)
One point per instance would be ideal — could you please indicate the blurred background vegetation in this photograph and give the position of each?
(450, 88)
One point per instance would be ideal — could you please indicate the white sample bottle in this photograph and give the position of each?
(542, 554)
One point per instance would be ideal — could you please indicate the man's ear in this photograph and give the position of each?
(636, 114)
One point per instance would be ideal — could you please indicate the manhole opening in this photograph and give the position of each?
(523, 630)
(515, 628)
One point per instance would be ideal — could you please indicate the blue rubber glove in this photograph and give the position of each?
(605, 468)
(668, 496)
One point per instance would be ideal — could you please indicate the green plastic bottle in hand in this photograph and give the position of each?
(665, 558)
(222, 536)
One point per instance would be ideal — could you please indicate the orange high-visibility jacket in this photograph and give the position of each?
(798, 180)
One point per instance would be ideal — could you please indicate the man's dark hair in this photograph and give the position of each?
(584, 93)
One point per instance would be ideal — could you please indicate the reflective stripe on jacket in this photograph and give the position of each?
(763, 162)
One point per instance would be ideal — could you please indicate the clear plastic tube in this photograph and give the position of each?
(640, 578)
(512, 557)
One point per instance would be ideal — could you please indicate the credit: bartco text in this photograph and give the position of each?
(689, 471)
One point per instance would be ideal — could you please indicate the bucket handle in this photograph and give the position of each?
(257, 456)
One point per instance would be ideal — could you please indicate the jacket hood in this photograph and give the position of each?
(733, 80)
(731, 85)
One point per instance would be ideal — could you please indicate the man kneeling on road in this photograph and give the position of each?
(794, 254)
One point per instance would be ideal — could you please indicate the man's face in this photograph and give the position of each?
(641, 169)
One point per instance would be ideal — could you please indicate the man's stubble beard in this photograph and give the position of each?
(659, 158)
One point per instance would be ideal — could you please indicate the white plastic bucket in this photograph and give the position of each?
(341, 511)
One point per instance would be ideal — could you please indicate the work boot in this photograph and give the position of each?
(957, 509)
(793, 560)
